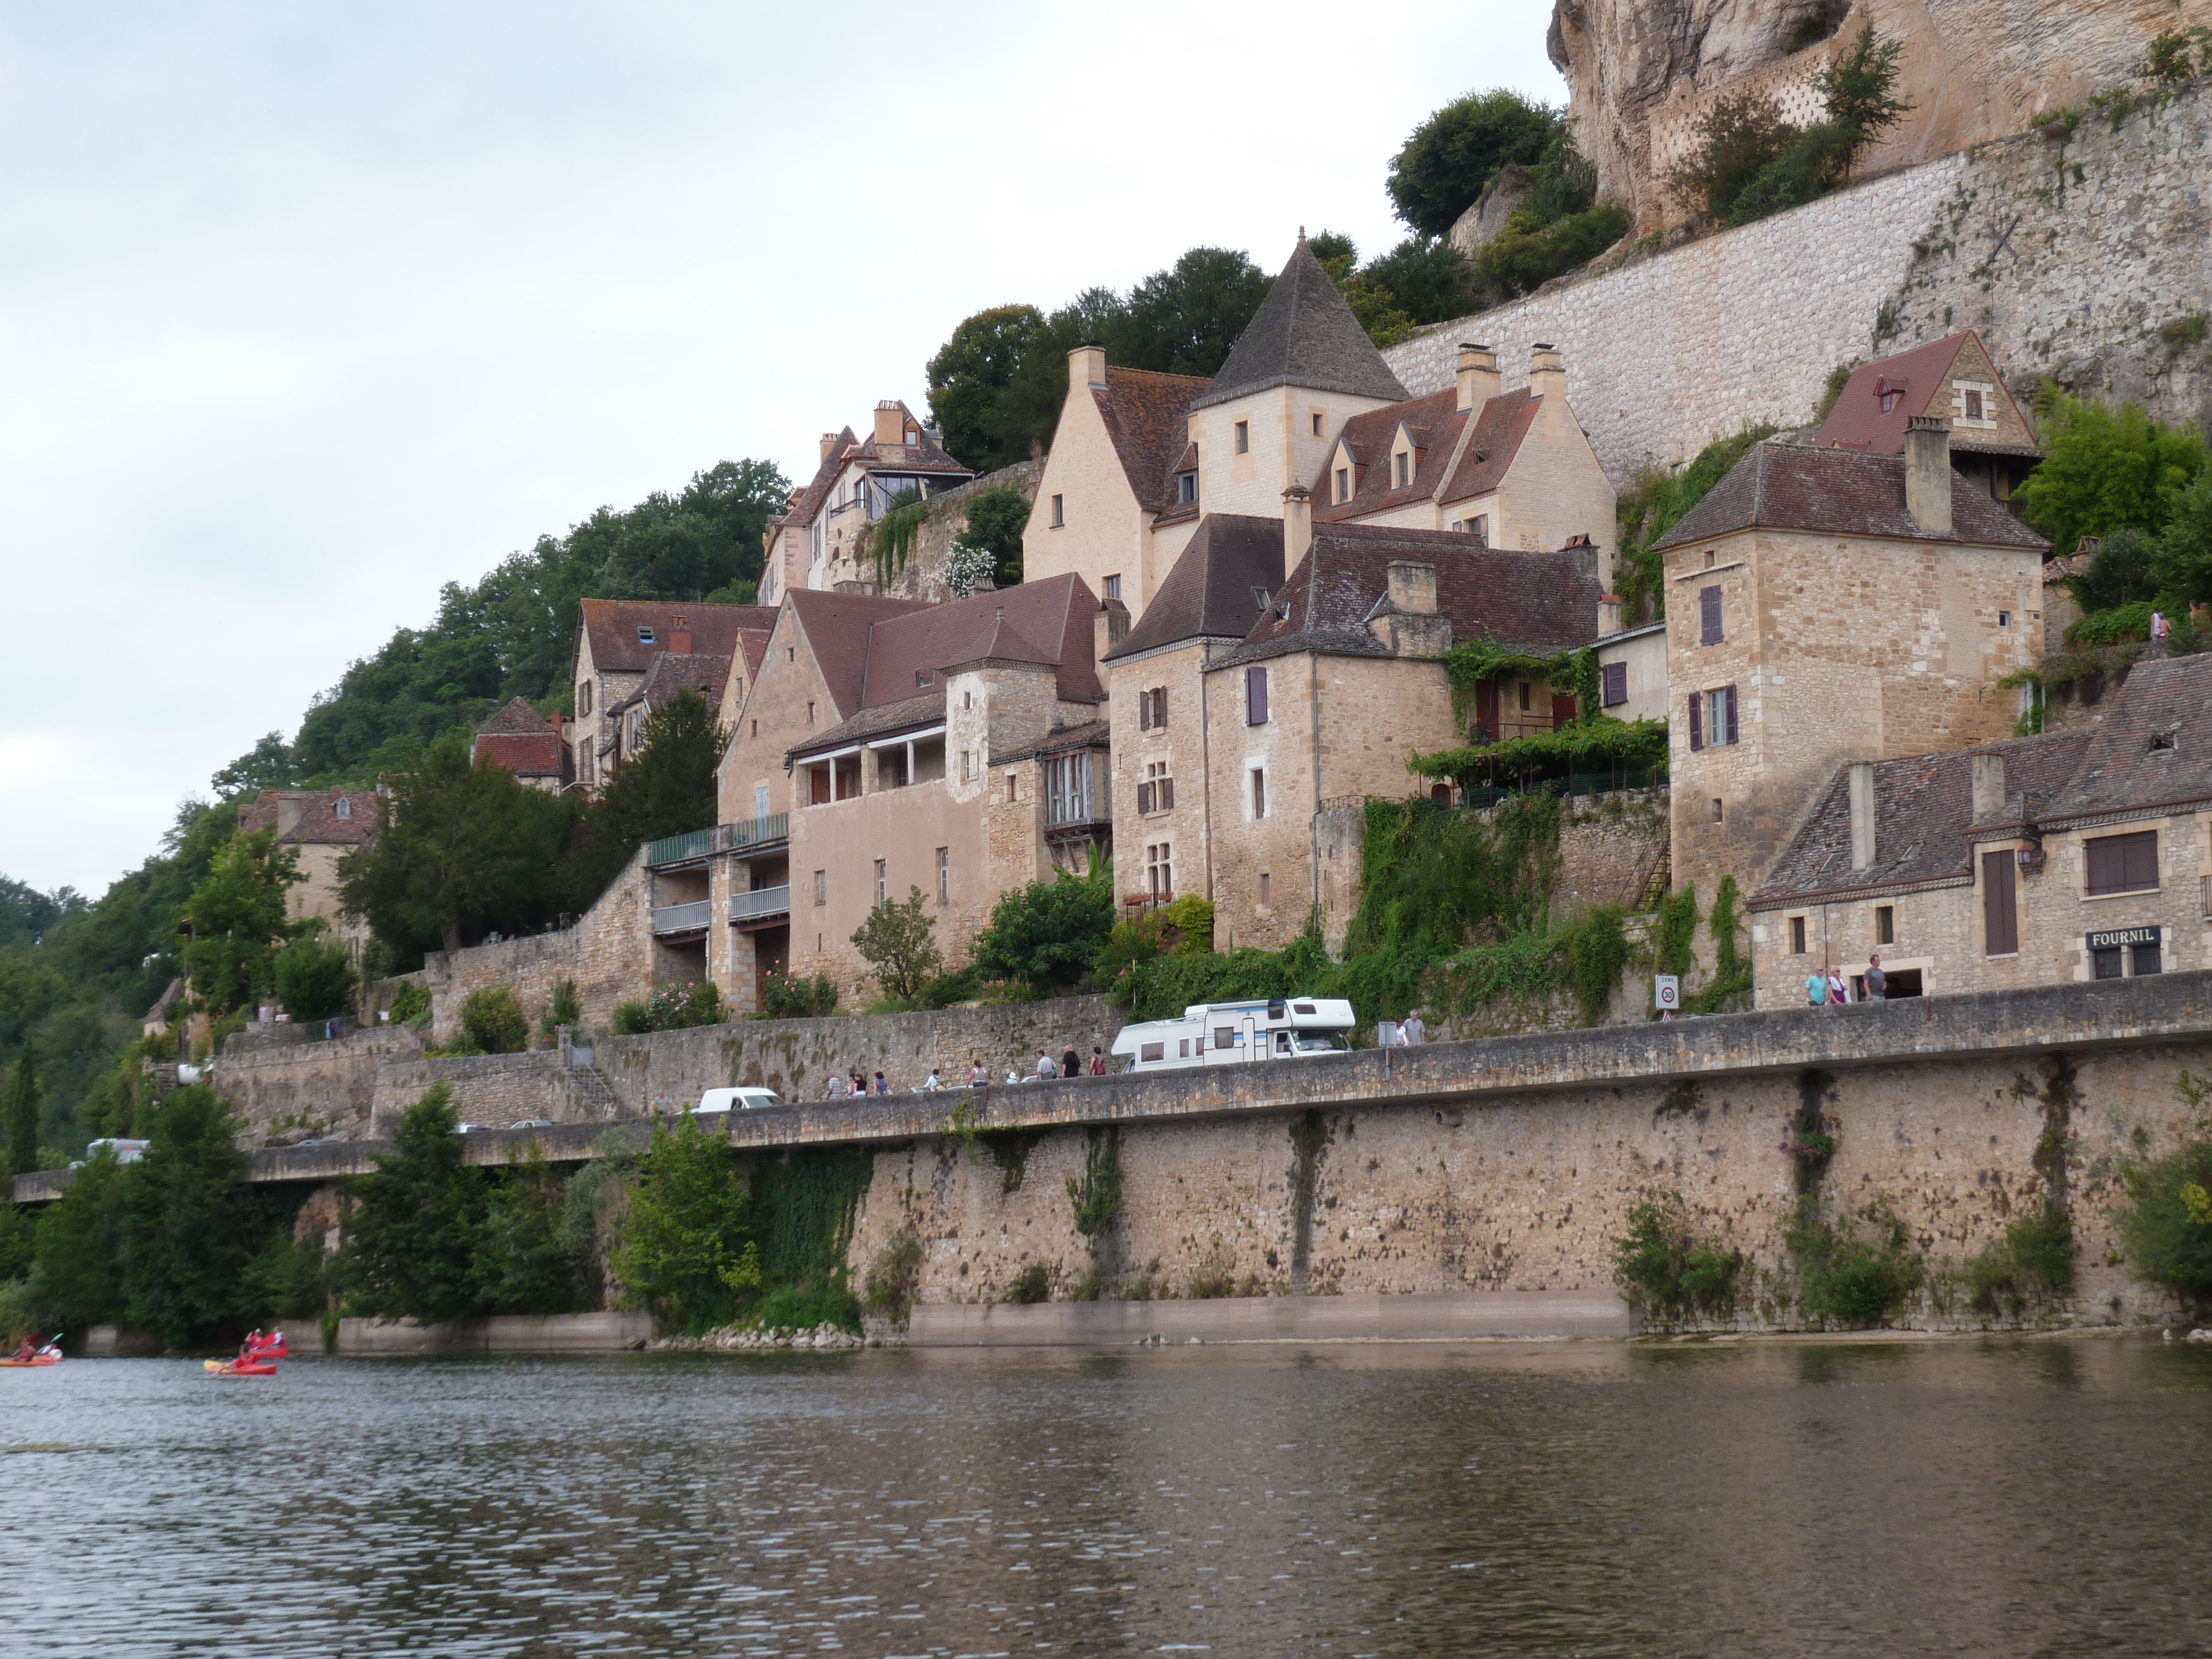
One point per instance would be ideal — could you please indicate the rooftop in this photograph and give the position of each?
(1303, 334)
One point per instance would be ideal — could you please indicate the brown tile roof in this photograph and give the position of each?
(614, 627)
(1918, 376)
(1537, 601)
(525, 754)
(2163, 701)
(753, 641)
(517, 719)
(806, 501)
(1837, 492)
(1090, 734)
(697, 671)
(1147, 416)
(1052, 616)
(1923, 808)
(319, 823)
(1303, 334)
(1499, 431)
(1208, 594)
(926, 710)
(836, 627)
(1434, 422)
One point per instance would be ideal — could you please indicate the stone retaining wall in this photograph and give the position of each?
(289, 1092)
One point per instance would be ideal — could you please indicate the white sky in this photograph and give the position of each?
(306, 309)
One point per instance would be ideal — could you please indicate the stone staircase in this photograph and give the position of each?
(591, 1097)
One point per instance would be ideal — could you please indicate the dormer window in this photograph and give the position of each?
(1260, 597)
(345, 803)
(1186, 488)
(925, 677)
(1243, 437)
(1343, 485)
(1405, 468)
(644, 636)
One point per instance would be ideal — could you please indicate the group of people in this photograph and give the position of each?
(1407, 1033)
(31, 1351)
(841, 1088)
(1828, 988)
(1070, 1063)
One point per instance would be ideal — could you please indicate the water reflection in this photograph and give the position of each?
(1997, 1497)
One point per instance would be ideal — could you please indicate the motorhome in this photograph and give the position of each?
(1231, 1033)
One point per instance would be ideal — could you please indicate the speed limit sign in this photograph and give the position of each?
(1667, 993)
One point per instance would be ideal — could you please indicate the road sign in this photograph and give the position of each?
(1666, 992)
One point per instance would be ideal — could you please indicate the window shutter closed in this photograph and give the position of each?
(1256, 696)
(2124, 864)
(1729, 701)
(1167, 794)
(1709, 615)
(1143, 797)
(1616, 683)
(2000, 921)
(1696, 719)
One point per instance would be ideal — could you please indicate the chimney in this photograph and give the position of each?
(829, 443)
(1547, 372)
(1109, 626)
(1611, 607)
(1862, 814)
(1989, 788)
(1928, 473)
(1478, 376)
(1584, 552)
(679, 635)
(1298, 526)
(287, 814)
(891, 424)
(1086, 365)
(1413, 588)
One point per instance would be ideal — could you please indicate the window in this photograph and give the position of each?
(1243, 437)
(757, 728)
(2004, 619)
(1797, 936)
(1524, 696)
(1113, 587)
(1479, 525)
(1317, 423)
(1616, 683)
(1885, 924)
(1186, 488)
(2000, 918)
(967, 766)
(1059, 512)
(791, 653)
(1156, 792)
(760, 800)
(2146, 960)
(1973, 405)
(1256, 696)
(1153, 709)
(584, 698)
(1709, 616)
(925, 677)
(1259, 598)
(1259, 791)
(1717, 809)
(1152, 1051)
(1070, 793)
(644, 636)
(1267, 889)
(738, 689)
(1159, 871)
(1405, 468)
(944, 875)
(882, 886)
(1343, 484)
(821, 887)
(1712, 717)
(1013, 788)
(2124, 864)
(809, 714)
(2108, 964)
(345, 807)
(1889, 400)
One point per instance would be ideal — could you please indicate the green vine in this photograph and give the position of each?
(1098, 1198)
(1620, 743)
(897, 532)
(1731, 980)
(1472, 661)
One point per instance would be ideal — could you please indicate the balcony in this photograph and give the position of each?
(750, 837)
(760, 907)
(682, 918)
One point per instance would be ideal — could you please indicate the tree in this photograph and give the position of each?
(1431, 281)
(2183, 563)
(1375, 306)
(996, 520)
(2120, 573)
(969, 376)
(76, 1272)
(412, 1241)
(23, 1124)
(268, 765)
(494, 1021)
(462, 850)
(1449, 161)
(236, 920)
(1736, 138)
(1048, 933)
(2105, 469)
(190, 1222)
(1860, 88)
(900, 943)
(1529, 253)
(313, 979)
(667, 787)
(1184, 319)
(687, 1251)
(523, 1263)
(1027, 412)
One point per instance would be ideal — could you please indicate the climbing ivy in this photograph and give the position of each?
(896, 532)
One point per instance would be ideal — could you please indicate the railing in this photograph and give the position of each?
(761, 902)
(722, 838)
(683, 918)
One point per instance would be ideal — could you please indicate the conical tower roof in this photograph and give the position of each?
(1303, 334)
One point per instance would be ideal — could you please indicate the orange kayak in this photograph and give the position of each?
(30, 1364)
(238, 1368)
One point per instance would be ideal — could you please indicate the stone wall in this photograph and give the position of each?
(1612, 848)
(2064, 274)
(922, 575)
(289, 1092)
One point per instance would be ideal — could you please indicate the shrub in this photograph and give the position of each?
(494, 1021)
(899, 941)
(1032, 1284)
(686, 1250)
(2106, 470)
(686, 1003)
(564, 1008)
(1856, 1273)
(410, 1005)
(2128, 621)
(2166, 1223)
(893, 1276)
(314, 981)
(1528, 252)
(1662, 1264)
(1048, 933)
(412, 1239)
(2034, 1253)
(962, 985)
(1736, 138)
(784, 997)
(1597, 955)
(1193, 917)
(630, 1018)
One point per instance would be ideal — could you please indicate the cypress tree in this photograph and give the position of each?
(191, 1224)
(22, 1121)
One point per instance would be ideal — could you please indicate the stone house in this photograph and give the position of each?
(527, 744)
(1993, 443)
(673, 672)
(816, 543)
(1831, 605)
(1632, 671)
(617, 640)
(322, 827)
(2082, 854)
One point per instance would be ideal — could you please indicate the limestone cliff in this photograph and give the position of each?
(1640, 72)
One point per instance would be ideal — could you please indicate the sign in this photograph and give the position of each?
(1666, 992)
(2120, 936)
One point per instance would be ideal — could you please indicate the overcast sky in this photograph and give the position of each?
(306, 309)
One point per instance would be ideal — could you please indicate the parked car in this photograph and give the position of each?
(532, 1123)
(715, 1102)
(471, 1129)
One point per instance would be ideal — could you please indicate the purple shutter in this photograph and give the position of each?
(1730, 701)
(1709, 615)
(1696, 719)
(1256, 696)
(1616, 683)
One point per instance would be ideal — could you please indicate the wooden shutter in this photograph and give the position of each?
(2000, 920)
(1696, 719)
(1167, 794)
(1563, 710)
(1727, 702)
(1256, 696)
(1616, 683)
(2124, 864)
(1709, 616)
(1485, 705)
(1143, 797)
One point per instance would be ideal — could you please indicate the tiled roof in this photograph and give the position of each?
(1147, 416)
(836, 628)
(1090, 734)
(1535, 601)
(926, 710)
(1924, 807)
(517, 718)
(670, 673)
(1435, 423)
(753, 641)
(1858, 421)
(1208, 594)
(1303, 334)
(2163, 701)
(1499, 432)
(613, 625)
(1052, 617)
(806, 501)
(1837, 492)
(319, 823)
(525, 754)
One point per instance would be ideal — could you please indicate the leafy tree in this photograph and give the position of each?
(1529, 253)
(1431, 281)
(25, 913)
(2183, 561)
(495, 1021)
(1737, 137)
(463, 850)
(2107, 469)
(269, 765)
(968, 377)
(1027, 411)
(412, 1241)
(996, 520)
(190, 1223)
(313, 979)
(667, 787)
(1375, 306)
(1184, 320)
(1565, 183)
(1450, 158)
(1860, 89)
(2120, 573)
(237, 922)
(524, 1264)
(22, 1123)
(687, 1251)
(76, 1274)
(1049, 933)
(899, 941)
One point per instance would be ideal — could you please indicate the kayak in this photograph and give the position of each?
(239, 1368)
(30, 1364)
(272, 1351)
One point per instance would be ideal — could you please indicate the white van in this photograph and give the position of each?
(715, 1102)
(126, 1151)
(1229, 1033)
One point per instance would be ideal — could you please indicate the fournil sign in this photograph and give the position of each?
(2120, 936)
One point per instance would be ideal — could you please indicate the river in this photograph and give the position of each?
(2002, 1497)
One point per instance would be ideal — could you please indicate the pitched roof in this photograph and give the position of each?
(1924, 807)
(525, 754)
(1840, 492)
(926, 709)
(2164, 700)
(806, 501)
(1303, 334)
(1538, 601)
(1090, 734)
(753, 642)
(615, 628)
(1499, 431)
(1147, 416)
(836, 627)
(1208, 594)
(696, 671)
(1052, 617)
(517, 718)
(327, 818)
(1434, 422)
(1919, 376)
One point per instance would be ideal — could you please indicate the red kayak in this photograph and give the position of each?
(239, 1367)
(272, 1351)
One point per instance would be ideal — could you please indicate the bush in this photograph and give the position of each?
(2106, 470)
(494, 1021)
(784, 997)
(412, 1239)
(1597, 955)
(899, 941)
(687, 1252)
(2166, 1223)
(2035, 1253)
(1529, 253)
(893, 1276)
(314, 981)
(564, 1008)
(2128, 622)
(631, 1017)
(410, 1005)
(1048, 933)
(1663, 1265)
(680, 1007)
(1856, 1273)
(1737, 138)
(1032, 1284)
(962, 985)
(1449, 159)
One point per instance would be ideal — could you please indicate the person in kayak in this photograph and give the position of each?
(26, 1353)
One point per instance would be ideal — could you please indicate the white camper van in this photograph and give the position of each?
(1230, 1033)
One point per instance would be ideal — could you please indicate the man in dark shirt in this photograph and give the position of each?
(1877, 982)
(1070, 1063)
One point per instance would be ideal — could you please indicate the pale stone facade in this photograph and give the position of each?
(322, 828)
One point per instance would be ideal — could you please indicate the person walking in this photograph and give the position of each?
(1047, 1070)
(1415, 1031)
(1816, 989)
(1839, 988)
(882, 1087)
(1070, 1063)
(837, 1089)
(931, 1083)
(1098, 1062)
(979, 1074)
(1877, 982)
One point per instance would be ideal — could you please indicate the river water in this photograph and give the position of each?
(2003, 1497)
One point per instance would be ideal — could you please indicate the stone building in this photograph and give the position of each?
(525, 742)
(1831, 605)
(816, 542)
(617, 641)
(673, 672)
(322, 827)
(1993, 443)
(2083, 854)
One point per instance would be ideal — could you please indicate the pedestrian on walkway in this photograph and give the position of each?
(1415, 1031)
(1816, 989)
(1839, 988)
(1098, 1062)
(882, 1087)
(930, 1084)
(837, 1089)
(1070, 1063)
(1046, 1069)
(979, 1074)
(1877, 982)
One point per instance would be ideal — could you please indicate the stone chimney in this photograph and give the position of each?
(891, 424)
(1478, 376)
(1611, 607)
(1862, 814)
(1547, 372)
(1409, 621)
(1109, 626)
(1989, 788)
(1298, 526)
(829, 443)
(1086, 365)
(1413, 587)
(1928, 473)
(1584, 552)
(679, 635)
